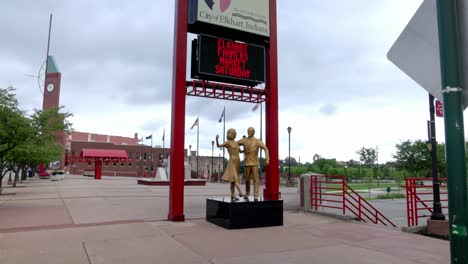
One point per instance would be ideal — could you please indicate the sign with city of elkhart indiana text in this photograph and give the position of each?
(252, 16)
(229, 61)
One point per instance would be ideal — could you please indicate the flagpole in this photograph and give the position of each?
(164, 134)
(141, 158)
(224, 137)
(198, 135)
(152, 156)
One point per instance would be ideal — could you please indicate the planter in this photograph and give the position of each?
(54, 177)
(44, 175)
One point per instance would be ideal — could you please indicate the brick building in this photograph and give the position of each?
(145, 158)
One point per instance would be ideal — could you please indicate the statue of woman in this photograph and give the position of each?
(231, 173)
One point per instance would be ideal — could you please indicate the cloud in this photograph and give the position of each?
(328, 109)
(337, 90)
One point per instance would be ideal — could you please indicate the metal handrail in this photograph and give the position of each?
(362, 209)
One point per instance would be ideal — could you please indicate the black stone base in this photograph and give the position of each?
(244, 213)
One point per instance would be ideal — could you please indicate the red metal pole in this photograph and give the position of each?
(97, 169)
(271, 191)
(176, 188)
(408, 201)
(415, 197)
(344, 195)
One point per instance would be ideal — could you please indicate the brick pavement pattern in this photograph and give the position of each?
(80, 220)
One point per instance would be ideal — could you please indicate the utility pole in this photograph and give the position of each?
(454, 129)
(377, 169)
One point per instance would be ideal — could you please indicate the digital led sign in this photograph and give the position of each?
(229, 61)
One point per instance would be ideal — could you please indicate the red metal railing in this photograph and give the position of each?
(333, 192)
(419, 198)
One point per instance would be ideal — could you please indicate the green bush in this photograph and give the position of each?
(391, 196)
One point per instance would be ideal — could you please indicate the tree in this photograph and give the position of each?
(321, 163)
(316, 157)
(368, 156)
(293, 161)
(28, 141)
(413, 157)
(14, 129)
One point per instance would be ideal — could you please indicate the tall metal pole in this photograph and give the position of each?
(437, 207)
(454, 129)
(41, 166)
(48, 47)
(198, 137)
(176, 163)
(272, 191)
(289, 156)
(212, 159)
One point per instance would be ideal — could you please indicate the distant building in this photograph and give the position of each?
(145, 159)
(206, 165)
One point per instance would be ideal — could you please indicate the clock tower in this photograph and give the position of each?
(52, 97)
(52, 84)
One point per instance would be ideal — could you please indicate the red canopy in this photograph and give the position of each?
(103, 153)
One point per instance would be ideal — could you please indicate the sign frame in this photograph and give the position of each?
(221, 21)
(198, 73)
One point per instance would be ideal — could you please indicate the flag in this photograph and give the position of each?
(195, 123)
(256, 107)
(222, 115)
(164, 133)
(149, 137)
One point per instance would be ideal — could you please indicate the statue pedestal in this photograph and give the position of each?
(244, 214)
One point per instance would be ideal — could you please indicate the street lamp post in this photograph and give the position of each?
(289, 168)
(190, 159)
(212, 159)
(437, 206)
(219, 168)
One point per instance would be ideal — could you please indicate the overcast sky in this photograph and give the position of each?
(337, 89)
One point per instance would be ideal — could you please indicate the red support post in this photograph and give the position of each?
(97, 169)
(360, 207)
(176, 187)
(271, 191)
(415, 203)
(344, 195)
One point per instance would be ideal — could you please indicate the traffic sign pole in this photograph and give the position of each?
(454, 129)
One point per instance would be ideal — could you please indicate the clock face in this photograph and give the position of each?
(50, 87)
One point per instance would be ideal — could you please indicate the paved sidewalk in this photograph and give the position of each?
(80, 220)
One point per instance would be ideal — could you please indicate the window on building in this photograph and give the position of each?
(144, 156)
(89, 164)
(130, 164)
(122, 164)
(115, 164)
(107, 164)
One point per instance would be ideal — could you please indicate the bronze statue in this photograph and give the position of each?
(231, 173)
(251, 146)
